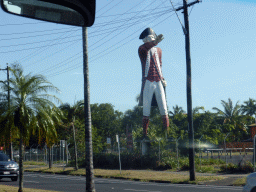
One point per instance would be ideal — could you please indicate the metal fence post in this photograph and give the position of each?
(226, 150)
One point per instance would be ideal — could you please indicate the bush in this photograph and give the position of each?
(247, 167)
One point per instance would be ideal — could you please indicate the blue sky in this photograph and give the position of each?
(223, 51)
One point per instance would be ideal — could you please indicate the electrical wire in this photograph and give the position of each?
(53, 44)
(67, 46)
(191, 10)
(143, 16)
(104, 7)
(33, 32)
(12, 38)
(111, 51)
(117, 21)
(50, 45)
(112, 7)
(38, 47)
(120, 14)
(134, 6)
(107, 39)
(119, 33)
(13, 24)
(112, 46)
(24, 44)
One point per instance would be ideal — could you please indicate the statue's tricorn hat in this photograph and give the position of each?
(147, 32)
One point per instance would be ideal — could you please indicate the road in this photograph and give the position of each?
(68, 183)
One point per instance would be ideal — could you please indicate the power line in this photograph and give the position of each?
(112, 7)
(104, 7)
(120, 32)
(77, 66)
(37, 47)
(38, 42)
(120, 14)
(127, 11)
(118, 42)
(49, 45)
(67, 46)
(12, 38)
(143, 16)
(112, 32)
(13, 24)
(118, 27)
(33, 32)
(40, 49)
(129, 19)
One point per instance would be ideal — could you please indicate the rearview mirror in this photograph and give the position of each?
(71, 12)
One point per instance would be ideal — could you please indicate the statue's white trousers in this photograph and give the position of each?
(149, 89)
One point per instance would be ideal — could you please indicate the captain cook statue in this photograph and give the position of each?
(152, 90)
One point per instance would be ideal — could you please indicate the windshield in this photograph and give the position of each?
(3, 157)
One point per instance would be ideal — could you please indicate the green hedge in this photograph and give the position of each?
(137, 161)
(247, 167)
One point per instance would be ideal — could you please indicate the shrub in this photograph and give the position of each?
(247, 167)
(204, 169)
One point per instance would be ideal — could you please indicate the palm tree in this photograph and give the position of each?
(230, 111)
(46, 123)
(249, 108)
(196, 110)
(177, 110)
(70, 113)
(230, 115)
(28, 99)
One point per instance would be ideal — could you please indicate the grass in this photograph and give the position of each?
(207, 169)
(145, 176)
(240, 182)
(33, 163)
(6, 188)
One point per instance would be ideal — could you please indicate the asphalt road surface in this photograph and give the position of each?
(77, 183)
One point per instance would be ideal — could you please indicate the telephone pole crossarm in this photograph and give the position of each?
(190, 4)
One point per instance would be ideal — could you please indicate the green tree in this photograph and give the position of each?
(230, 116)
(45, 123)
(176, 110)
(230, 111)
(249, 108)
(70, 112)
(28, 98)
(107, 121)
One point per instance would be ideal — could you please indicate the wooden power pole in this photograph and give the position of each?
(9, 125)
(189, 90)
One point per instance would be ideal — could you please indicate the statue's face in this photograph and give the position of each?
(149, 38)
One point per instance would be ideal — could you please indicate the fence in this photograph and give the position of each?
(59, 155)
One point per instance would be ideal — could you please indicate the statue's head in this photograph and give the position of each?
(148, 35)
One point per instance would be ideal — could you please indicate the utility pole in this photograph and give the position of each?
(9, 127)
(189, 90)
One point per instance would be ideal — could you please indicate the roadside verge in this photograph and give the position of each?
(136, 175)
